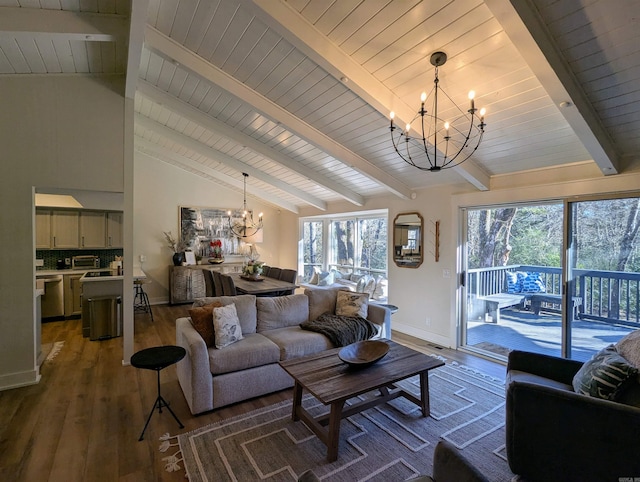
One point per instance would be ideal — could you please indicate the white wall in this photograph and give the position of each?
(159, 189)
(60, 132)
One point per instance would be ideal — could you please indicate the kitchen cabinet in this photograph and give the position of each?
(64, 229)
(43, 229)
(72, 294)
(93, 229)
(186, 284)
(114, 230)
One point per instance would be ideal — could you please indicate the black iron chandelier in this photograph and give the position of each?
(444, 143)
(241, 223)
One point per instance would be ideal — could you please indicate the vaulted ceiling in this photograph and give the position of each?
(297, 93)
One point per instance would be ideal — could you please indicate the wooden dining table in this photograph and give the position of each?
(265, 285)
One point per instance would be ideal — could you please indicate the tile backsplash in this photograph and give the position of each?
(51, 257)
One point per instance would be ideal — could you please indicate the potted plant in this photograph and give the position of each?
(215, 251)
(253, 269)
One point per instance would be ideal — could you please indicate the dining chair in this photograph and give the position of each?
(274, 273)
(210, 288)
(228, 286)
(290, 276)
(217, 283)
(265, 270)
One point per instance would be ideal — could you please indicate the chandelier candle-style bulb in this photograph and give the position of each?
(442, 144)
(391, 116)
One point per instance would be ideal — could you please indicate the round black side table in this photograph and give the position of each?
(157, 358)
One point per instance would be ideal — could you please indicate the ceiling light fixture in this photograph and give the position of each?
(444, 143)
(241, 222)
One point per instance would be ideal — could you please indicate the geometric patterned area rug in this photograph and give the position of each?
(390, 442)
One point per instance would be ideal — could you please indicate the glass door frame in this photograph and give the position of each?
(462, 269)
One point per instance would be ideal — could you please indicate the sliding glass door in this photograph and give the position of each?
(603, 273)
(556, 278)
(513, 279)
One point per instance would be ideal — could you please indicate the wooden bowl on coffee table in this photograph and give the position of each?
(363, 353)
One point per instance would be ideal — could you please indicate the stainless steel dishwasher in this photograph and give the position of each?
(53, 298)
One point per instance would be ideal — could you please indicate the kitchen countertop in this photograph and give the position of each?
(49, 272)
(137, 274)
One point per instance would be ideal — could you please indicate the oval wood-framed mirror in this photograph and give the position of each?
(408, 229)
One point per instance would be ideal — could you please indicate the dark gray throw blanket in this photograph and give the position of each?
(341, 330)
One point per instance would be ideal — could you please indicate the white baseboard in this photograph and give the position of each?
(423, 335)
(20, 379)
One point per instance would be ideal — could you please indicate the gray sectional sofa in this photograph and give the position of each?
(211, 378)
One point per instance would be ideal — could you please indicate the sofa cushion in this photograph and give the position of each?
(321, 301)
(605, 376)
(226, 325)
(202, 321)
(295, 342)
(253, 350)
(629, 348)
(245, 307)
(281, 311)
(352, 304)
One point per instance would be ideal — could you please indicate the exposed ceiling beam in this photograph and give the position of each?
(293, 27)
(137, 22)
(30, 23)
(168, 48)
(154, 151)
(202, 149)
(526, 29)
(192, 113)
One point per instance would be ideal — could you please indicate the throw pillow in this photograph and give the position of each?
(605, 376)
(202, 321)
(226, 325)
(380, 293)
(352, 304)
(314, 278)
(370, 286)
(325, 278)
(512, 282)
(532, 283)
(629, 348)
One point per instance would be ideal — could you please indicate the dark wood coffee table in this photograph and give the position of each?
(333, 382)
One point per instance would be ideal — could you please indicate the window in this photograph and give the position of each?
(355, 243)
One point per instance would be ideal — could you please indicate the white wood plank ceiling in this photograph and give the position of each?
(297, 93)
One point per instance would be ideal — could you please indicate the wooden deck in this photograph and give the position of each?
(524, 330)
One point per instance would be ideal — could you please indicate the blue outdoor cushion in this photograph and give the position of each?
(532, 283)
(512, 282)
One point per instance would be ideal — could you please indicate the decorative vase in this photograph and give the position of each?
(178, 258)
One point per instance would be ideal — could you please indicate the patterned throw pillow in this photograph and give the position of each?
(226, 325)
(512, 282)
(605, 376)
(352, 304)
(202, 321)
(532, 283)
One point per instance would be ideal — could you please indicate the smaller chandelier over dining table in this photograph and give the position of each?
(448, 134)
(241, 222)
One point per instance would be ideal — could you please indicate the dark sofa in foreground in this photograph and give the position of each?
(556, 434)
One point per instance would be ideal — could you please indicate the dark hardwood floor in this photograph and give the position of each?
(83, 420)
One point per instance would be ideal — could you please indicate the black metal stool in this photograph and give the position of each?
(157, 358)
(141, 300)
